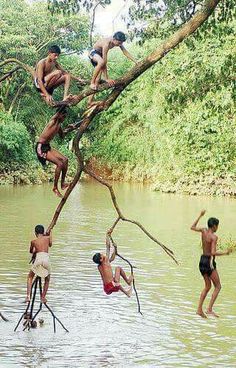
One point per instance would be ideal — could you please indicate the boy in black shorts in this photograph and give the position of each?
(207, 264)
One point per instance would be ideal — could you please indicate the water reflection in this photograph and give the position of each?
(107, 331)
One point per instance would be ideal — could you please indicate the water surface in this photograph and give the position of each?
(107, 331)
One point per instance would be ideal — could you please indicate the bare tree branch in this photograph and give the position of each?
(20, 89)
(26, 67)
(9, 74)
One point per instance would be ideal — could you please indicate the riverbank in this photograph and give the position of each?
(202, 185)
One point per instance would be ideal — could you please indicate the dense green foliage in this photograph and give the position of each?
(26, 30)
(174, 126)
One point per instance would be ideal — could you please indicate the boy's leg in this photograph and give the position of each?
(120, 272)
(56, 79)
(216, 281)
(29, 285)
(203, 295)
(127, 292)
(54, 157)
(63, 173)
(91, 97)
(100, 64)
(45, 289)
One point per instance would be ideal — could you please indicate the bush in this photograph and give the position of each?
(15, 145)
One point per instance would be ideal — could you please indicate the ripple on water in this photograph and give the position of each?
(107, 331)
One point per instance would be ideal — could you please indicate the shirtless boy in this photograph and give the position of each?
(98, 58)
(41, 266)
(50, 75)
(207, 264)
(111, 284)
(46, 153)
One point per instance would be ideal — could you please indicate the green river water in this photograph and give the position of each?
(107, 331)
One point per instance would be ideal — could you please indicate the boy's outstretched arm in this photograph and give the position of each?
(194, 225)
(127, 54)
(113, 255)
(215, 252)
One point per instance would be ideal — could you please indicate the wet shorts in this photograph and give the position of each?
(91, 55)
(111, 288)
(50, 90)
(206, 265)
(42, 148)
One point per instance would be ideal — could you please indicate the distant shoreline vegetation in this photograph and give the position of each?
(209, 185)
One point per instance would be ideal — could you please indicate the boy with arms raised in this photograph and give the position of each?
(41, 265)
(111, 284)
(207, 264)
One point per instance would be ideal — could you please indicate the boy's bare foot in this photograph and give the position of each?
(211, 313)
(27, 299)
(129, 292)
(201, 313)
(43, 299)
(64, 186)
(56, 191)
(130, 279)
(93, 86)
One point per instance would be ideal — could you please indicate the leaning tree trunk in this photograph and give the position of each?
(186, 30)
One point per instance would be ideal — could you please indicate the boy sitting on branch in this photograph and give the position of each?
(50, 75)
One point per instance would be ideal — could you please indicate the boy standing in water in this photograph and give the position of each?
(46, 153)
(111, 284)
(207, 264)
(41, 266)
(98, 58)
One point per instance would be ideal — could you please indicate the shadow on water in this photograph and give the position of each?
(106, 331)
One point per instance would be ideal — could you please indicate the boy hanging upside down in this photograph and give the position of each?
(46, 153)
(41, 265)
(207, 264)
(98, 58)
(50, 75)
(111, 284)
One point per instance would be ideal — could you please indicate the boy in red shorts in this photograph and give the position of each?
(111, 284)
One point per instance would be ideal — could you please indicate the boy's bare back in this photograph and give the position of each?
(52, 128)
(40, 244)
(208, 240)
(104, 43)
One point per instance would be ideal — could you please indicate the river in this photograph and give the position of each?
(107, 331)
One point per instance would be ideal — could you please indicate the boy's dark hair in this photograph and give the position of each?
(39, 229)
(119, 36)
(54, 49)
(96, 258)
(212, 222)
